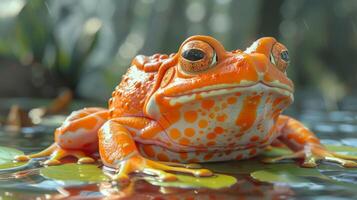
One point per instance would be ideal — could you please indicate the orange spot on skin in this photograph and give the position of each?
(149, 151)
(248, 113)
(190, 116)
(183, 156)
(173, 117)
(211, 143)
(184, 141)
(252, 152)
(221, 118)
(227, 152)
(208, 156)
(203, 123)
(218, 130)
(211, 136)
(189, 132)
(238, 94)
(207, 104)
(175, 133)
(254, 138)
(231, 100)
(239, 157)
(162, 157)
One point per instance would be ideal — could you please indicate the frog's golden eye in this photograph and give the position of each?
(279, 57)
(197, 56)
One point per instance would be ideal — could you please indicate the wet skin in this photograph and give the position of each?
(201, 104)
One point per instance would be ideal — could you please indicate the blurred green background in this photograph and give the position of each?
(86, 45)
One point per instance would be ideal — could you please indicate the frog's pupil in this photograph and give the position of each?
(193, 54)
(285, 56)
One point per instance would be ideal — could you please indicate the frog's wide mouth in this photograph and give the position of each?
(223, 89)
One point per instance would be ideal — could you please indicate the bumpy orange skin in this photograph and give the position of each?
(202, 129)
(201, 104)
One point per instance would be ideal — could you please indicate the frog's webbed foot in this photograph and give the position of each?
(311, 154)
(55, 154)
(306, 145)
(161, 170)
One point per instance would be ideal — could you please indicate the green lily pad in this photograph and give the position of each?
(7, 157)
(347, 150)
(186, 181)
(74, 172)
(287, 173)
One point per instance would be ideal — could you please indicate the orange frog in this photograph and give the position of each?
(202, 104)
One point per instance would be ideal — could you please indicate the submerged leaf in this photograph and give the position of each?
(74, 172)
(186, 181)
(287, 173)
(275, 177)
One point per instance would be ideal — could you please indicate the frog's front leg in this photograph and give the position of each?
(306, 145)
(118, 150)
(77, 137)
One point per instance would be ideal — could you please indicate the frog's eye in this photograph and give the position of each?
(279, 57)
(197, 56)
(285, 56)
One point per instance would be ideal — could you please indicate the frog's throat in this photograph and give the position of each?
(152, 108)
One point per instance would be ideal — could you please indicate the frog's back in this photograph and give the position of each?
(129, 96)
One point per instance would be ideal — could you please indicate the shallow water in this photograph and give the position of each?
(334, 127)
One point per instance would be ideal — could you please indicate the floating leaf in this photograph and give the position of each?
(74, 172)
(348, 150)
(7, 156)
(287, 173)
(186, 181)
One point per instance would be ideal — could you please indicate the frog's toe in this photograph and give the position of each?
(22, 158)
(203, 173)
(85, 160)
(343, 162)
(162, 175)
(52, 162)
(309, 162)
